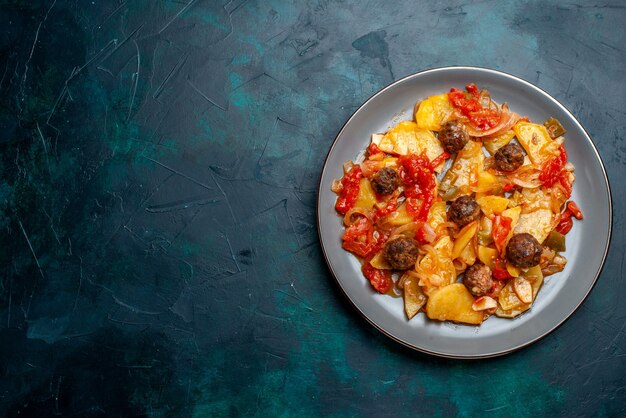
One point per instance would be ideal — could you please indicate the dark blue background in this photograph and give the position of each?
(159, 164)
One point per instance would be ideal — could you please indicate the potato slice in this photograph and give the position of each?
(508, 298)
(408, 138)
(399, 217)
(367, 197)
(414, 298)
(380, 262)
(487, 256)
(537, 223)
(492, 145)
(463, 238)
(513, 271)
(437, 214)
(453, 303)
(523, 289)
(433, 112)
(468, 254)
(492, 204)
(514, 215)
(536, 141)
(467, 166)
(483, 303)
(534, 276)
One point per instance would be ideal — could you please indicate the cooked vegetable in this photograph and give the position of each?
(556, 241)
(433, 112)
(554, 127)
(467, 242)
(453, 303)
(414, 298)
(463, 239)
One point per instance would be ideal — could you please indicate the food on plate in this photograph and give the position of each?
(464, 211)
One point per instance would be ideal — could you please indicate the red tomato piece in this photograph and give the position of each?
(552, 170)
(416, 172)
(362, 239)
(500, 230)
(573, 207)
(350, 192)
(470, 106)
(500, 272)
(380, 279)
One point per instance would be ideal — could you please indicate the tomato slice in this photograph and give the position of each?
(573, 207)
(552, 170)
(350, 191)
(416, 172)
(362, 239)
(380, 279)
(500, 230)
(470, 106)
(499, 271)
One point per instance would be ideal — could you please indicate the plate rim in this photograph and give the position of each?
(495, 353)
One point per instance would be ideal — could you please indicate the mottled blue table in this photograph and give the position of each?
(159, 164)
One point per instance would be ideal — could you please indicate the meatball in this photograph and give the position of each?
(453, 136)
(464, 210)
(401, 253)
(523, 251)
(385, 181)
(478, 279)
(509, 158)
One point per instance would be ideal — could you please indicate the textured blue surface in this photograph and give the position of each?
(157, 199)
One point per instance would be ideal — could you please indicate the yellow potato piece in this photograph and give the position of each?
(508, 299)
(437, 214)
(492, 145)
(487, 256)
(380, 262)
(465, 171)
(414, 298)
(453, 303)
(433, 112)
(492, 204)
(367, 197)
(513, 271)
(537, 223)
(408, 138)
(468, 255)
(399, 217)
(514, 214)
(523, 289)
(463, 238)
(536, 141)
(487, 184)
(533, 199)
(512, 301)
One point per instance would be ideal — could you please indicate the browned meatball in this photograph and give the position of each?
(385, 181)
(464, 210)
(478, 279)
(523, 251)
(401, 253)
(509, 158)
(453, 136)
